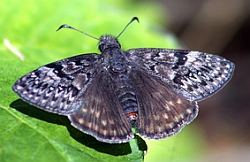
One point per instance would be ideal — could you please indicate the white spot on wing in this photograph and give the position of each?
(171, 103)
(81, 121)
(179, 101)
(104, 122)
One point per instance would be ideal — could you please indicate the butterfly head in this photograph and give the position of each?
(108, 41)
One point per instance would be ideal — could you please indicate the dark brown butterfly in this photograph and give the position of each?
(105, 95)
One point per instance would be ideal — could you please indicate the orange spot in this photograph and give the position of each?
(132, 114)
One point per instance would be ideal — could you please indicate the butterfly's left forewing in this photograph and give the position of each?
(194, 75)
(55, 87)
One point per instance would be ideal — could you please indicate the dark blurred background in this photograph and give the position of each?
(219, 27)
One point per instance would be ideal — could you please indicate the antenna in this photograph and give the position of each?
(70, 27)
(133, 19)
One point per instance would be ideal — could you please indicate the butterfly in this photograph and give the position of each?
(153, 90)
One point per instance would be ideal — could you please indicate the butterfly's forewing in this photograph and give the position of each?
(161, 111)
(194, 75)
(101, 114)
(55, 87)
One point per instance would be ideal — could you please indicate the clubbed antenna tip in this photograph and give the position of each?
(70, 27)
(133, 19)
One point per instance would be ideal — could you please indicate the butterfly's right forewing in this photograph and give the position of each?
(55, 87)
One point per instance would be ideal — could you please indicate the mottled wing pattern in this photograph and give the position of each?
(55, 87)
(194, 75)
(101, 114)
(161, 111)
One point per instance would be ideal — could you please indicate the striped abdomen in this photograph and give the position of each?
(126, 95)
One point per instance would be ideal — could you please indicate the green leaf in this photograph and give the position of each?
(30, 134)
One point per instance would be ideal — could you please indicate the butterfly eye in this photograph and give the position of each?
(101, 47)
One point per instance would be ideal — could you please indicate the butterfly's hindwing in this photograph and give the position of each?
(100, 114)
(55, 86)
(161, 111)
(194, 75)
